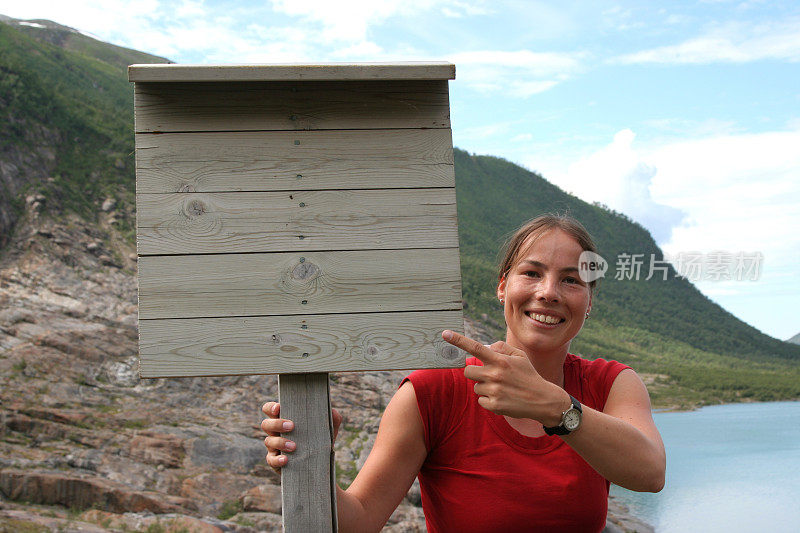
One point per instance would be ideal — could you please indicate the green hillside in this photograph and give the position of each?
(66, 113)
(66, 120)
(695, 350)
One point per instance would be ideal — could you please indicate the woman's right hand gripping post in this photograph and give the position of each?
(275, 427)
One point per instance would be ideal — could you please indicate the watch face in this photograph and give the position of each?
(572, 419)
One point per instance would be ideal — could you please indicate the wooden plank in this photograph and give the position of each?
(197, 223)
(308, 494)
(173, 107)
(420, 70)
(297, 344)
(298, 283)
(280, 161)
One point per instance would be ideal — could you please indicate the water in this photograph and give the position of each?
(730, 468)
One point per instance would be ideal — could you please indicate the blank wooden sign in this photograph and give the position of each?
(295, 218)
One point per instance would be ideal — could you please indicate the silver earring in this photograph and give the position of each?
(587, 315)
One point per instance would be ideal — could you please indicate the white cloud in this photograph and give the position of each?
(734, 192)
(741, 193)
(518, 73)
(191, 8)
(524, 89)
(535, 63)
(350, 20)
(486, 130)
(620, 178)
(193, 31)
(732, 43)
(694, 129)
(279, 31)
(460, 9)
(738, 192)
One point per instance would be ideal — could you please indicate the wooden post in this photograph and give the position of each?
(309, 480)
(296, 220)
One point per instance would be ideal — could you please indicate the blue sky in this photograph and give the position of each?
(683, 115)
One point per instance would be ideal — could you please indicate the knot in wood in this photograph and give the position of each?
(305, 271)
(275, 339)
(449, 352)
(195, 208)
(186, 187)
(371, 351)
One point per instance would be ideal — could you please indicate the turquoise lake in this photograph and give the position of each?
(730, 468)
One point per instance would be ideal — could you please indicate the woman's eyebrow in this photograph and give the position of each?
(539, 264)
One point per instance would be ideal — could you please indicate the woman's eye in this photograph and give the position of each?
(570, 280)
(531, 274)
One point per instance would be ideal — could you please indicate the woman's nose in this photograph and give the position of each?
(548, 289)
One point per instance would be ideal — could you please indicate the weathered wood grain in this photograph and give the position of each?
(172, 107)
(308, 494)
(298, 283)
(297, 344)
(421, 70)
(300, 160)
(195, 223)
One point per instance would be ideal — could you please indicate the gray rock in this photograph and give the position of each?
(235, 453)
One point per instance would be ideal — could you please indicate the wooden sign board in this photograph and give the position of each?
(295, 218)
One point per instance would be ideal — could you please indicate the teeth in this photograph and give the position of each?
(547, 319)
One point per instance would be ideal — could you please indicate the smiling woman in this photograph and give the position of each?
(543, 257)
(527, 437)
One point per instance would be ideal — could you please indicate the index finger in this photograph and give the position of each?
(484, 353)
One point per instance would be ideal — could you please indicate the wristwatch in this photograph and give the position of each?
(570, 419)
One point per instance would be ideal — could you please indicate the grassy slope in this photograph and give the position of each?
(694, 350)
(76, 87)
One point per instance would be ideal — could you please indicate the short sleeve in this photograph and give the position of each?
(591, 381)
(435, 391)
(605, 373)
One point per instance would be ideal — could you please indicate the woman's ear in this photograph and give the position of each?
(501, 288)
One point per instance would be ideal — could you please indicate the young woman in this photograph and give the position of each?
(528, 436)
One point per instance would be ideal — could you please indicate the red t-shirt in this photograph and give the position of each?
(481, 475)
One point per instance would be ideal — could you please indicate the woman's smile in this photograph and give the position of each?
(544, 318)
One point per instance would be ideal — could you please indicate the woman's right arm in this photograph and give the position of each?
(390, 468)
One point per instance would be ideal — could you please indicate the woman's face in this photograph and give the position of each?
(545, 300)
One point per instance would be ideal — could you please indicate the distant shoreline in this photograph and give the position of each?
(683, 409)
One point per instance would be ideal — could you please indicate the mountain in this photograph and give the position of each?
(688, 349)
(67, 115)
(79, 430)
(795, 339)
(65, 119)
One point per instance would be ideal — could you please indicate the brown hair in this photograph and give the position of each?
(536, 228)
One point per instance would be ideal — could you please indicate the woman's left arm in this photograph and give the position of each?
(622, 442)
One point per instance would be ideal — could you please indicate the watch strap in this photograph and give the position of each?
(560, 429)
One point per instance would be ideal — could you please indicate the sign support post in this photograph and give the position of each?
(309, 480)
